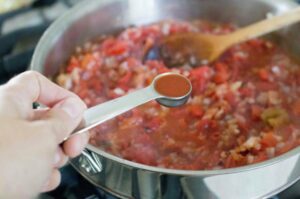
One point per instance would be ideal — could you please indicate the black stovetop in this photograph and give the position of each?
(74, 186)
(20, 31)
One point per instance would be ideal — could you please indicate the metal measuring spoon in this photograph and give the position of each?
(108, 110)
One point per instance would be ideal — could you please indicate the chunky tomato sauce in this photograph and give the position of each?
(243, 109)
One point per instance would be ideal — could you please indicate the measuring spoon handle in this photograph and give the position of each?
(107, 110)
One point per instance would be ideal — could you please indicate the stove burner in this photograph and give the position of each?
(20, 31)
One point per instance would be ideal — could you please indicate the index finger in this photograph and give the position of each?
(26, 88)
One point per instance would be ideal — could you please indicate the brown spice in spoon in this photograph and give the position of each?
(172, 85)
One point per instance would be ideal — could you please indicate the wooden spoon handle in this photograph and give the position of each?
(264, 27)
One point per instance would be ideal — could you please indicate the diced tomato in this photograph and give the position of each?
(126, 78)
(178, 112)
(215, 135)
(288, 131)
(222, 74)
(118, 48)
(263, 74)
(200, 77)
(269, 140)
(266, 86)
(243, 124)
(201, 72)
(107, 43)
(132, 62)
(230, 97)
(96, 84)
(296, 108)
(82, 93)
(256, 112)
(246, 92)
(220, 78)
(196, 110)
(158, 65)
(154, 123)
(113, 47)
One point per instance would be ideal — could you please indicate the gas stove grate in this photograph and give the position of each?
(20, 31)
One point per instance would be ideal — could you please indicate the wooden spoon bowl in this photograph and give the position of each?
(197, 48)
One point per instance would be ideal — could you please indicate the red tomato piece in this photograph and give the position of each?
(256, 112)
(158, 65)
(196, 110)
(154, 123)
(115, 47)
(269, 140)
(222, 74)
(246, 92)
(263, 74)
(266, 86)
(132, 62)
(230, 98)
(296, 108)
(126, 78)
(200, 77)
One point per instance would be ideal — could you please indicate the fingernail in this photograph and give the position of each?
(73, 107)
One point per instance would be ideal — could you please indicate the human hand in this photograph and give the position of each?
(31, 149)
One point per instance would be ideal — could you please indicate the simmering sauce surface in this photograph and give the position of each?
(244, 107)
(172, 85)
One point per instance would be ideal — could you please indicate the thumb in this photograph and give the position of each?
(64, 117)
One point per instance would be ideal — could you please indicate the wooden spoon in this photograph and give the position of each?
(179, 48)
